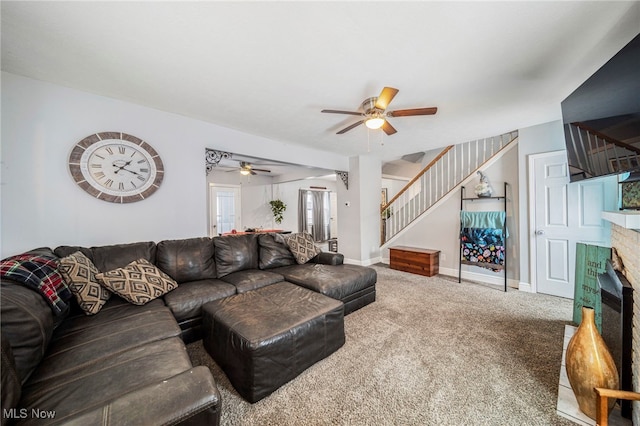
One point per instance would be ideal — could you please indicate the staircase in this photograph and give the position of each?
(441, 176)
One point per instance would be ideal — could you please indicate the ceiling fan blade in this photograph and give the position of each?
(385, 97)
(335, 111)
(388, 128)
(346, 129)
(261, 170)
(414, 111)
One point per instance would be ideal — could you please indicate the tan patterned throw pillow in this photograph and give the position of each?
(303, 247)
(80, 275)
(139, 282)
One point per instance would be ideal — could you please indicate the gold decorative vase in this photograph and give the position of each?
(590, 364)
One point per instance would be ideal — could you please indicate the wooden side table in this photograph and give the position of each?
(415, 260)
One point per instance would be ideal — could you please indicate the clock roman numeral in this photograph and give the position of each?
(99, 175)
(121, 186)
(144, 170)
(141, 178)
(99, 156)
(121, 149)
(108, 183)
(109, 150)
(133, 184)
(142, 161)
(96, 166)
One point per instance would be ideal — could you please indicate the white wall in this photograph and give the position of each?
(41, 204)
(359, 221)
(393, 186)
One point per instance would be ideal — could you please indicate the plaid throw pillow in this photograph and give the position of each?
(80, 274)
(302, 247)
(139, 282)
(40, 273)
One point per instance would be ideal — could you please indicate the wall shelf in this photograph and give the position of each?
(504, 228)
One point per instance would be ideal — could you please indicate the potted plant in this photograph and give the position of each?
(277, 208)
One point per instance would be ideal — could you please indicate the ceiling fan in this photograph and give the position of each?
(247, 169)
(375, 113)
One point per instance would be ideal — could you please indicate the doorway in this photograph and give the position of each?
(224, 209)
(563, 214)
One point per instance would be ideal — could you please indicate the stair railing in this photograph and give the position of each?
(593, 153)
(445, 172)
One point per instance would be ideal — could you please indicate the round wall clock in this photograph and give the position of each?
(116, 167)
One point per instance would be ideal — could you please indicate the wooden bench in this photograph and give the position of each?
(415, 260)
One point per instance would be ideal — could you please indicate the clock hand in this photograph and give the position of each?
(130, 171)
(121, 167)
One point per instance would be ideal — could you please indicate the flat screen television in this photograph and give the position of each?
(601, 118)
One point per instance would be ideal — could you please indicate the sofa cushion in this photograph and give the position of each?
(251, 279)
(187, 260)
(236, 253)
(189, 398)
(108, 258)
(338, 282)
(71, 393)
(11, 386)
(28, 323)
(274, 251)
(64, 251)
(80, 274)
(84, 341)
(138, 282)
(302, 247)
(186, 301)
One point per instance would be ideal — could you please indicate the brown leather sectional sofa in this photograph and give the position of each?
(128, 363)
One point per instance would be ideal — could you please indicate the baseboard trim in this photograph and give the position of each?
(472, 276)
(525, 287)
(482, 278)
(367, 262)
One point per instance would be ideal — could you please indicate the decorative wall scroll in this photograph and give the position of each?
(345, 177)
(213, 157)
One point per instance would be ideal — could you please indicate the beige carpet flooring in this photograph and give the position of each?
(429, 351)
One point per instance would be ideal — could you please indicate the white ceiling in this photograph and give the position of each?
(268, 68)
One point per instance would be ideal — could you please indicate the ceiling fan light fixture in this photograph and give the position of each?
(245, 172)
(374, 123)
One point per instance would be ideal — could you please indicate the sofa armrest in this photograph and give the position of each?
(189, 398)
(329, 258)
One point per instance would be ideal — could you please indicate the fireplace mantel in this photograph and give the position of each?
(624, 218)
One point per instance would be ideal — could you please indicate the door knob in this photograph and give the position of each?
(539, 232)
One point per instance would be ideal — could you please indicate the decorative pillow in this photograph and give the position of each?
(80, 274)
(139, 282)
(302, 247)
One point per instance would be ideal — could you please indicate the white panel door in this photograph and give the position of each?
(565, 214)
(224, 209)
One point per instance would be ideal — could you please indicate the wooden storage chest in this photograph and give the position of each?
(415, 260)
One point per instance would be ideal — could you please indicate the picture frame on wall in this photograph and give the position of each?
(630, 193)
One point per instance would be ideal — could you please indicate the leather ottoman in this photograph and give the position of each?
(266, 337)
